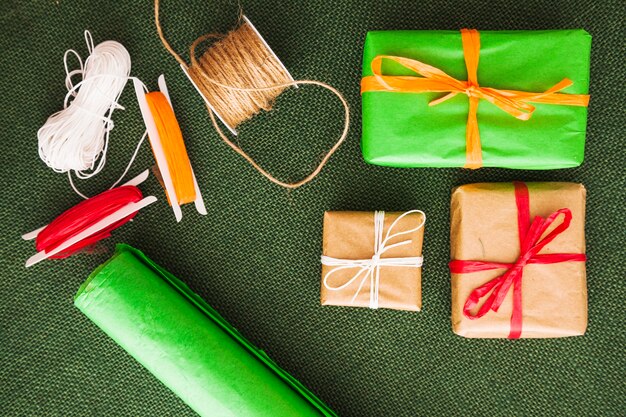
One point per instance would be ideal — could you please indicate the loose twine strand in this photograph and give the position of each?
(240, 76)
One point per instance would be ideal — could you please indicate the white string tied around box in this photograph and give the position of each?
(76, 138)
(370, 268)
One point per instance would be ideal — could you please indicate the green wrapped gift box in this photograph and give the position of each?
(400, 129)
(186, 344)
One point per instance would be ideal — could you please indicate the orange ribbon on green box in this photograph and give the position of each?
(433, 80)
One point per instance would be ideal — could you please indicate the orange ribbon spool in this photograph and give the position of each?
(173, 147)
(434, 80)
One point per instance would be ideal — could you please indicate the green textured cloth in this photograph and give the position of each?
(402, 130)
(255, 257)
(186, 344)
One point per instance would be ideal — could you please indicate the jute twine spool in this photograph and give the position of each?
(238, 76)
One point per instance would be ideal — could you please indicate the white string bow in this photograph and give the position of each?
(370, 268)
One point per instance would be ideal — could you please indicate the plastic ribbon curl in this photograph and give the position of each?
(434, 80)
(370, 268)
(533, 238)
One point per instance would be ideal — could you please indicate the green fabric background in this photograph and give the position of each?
(255, 257)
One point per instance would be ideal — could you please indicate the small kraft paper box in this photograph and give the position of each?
(511, 99)
(373, 259)
(518, 260)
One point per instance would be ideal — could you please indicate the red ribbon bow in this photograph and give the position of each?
(533, 237)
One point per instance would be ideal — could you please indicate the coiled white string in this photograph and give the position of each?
(76, 138)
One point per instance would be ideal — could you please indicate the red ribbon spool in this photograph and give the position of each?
(84, 215)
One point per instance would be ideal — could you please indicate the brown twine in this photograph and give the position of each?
(240, 76)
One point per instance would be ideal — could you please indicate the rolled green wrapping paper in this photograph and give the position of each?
(186, 344)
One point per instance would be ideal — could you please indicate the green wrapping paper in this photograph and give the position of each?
(401, 130)
(186, 344)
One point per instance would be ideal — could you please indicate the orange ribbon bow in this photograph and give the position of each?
(434, 80)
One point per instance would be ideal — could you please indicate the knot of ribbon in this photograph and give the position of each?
(533, 237)
(434, 80)
(369, 269)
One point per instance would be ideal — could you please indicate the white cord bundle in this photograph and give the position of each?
(76, 138)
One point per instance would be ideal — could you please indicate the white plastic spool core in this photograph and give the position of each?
(219, 116)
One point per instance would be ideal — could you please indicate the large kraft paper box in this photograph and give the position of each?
(484, 227)
(350, 235)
